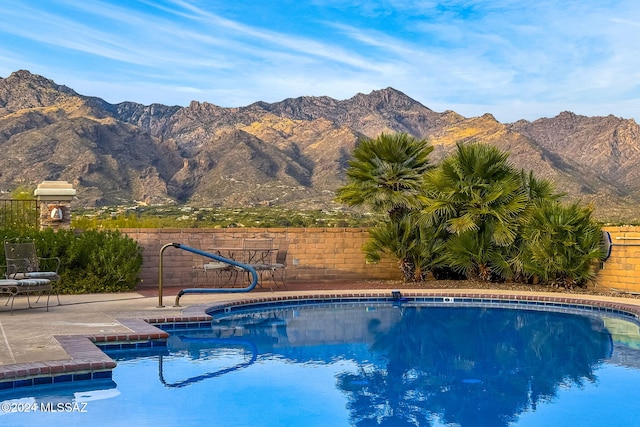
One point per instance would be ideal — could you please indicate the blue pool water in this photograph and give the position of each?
(366, 365)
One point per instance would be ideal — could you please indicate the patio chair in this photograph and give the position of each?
(23, 263)
(209, 271)
(12, 288)
(279, 267)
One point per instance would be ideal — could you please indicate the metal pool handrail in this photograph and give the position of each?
(250, 269)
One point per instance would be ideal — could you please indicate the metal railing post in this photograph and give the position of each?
(177, 245)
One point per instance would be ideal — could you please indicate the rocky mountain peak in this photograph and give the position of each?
(23, 90)
(291, 153)
(384, 99)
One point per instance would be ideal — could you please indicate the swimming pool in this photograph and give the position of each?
(313, 363)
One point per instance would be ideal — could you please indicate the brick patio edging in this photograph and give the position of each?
(88, 362)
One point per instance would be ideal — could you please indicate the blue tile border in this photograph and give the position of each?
(133, 345)
(579, 306)
(51, 380)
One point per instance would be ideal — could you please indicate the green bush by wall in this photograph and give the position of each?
(91, 262)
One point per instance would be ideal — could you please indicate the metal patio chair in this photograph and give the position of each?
(23, 263)
(210, 272)
(13, 288)
(279, 268)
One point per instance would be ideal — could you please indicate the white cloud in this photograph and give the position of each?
(511, 58)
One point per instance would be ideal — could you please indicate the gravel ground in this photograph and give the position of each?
(596, 289)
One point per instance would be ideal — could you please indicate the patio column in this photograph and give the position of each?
(54, 199)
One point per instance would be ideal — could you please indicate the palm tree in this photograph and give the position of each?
(473, 254)
(417, 248)
(479, 196)
(538, 191)
(563, 244)
(386, 173)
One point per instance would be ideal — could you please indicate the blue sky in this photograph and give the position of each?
(511, 58)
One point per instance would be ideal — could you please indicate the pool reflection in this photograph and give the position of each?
(473, 367)
(463, 365)
(412, 365)
(212, 344)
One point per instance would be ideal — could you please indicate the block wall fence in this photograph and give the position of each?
(313, 254)
(326, 254)
(621, 271)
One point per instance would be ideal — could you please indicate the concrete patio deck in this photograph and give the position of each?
(34, 342)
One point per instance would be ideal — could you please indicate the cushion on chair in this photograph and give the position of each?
(34, 275)
(215, 265)
(33, 282)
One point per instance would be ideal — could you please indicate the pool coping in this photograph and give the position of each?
(88, 361)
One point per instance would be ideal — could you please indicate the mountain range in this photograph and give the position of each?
(291, 153)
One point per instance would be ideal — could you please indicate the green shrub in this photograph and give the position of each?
(562, 244)
(91, 262)
(102, 261)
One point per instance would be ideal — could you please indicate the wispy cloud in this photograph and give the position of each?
(511, 58)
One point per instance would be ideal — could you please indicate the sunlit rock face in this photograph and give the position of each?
(291, 153)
